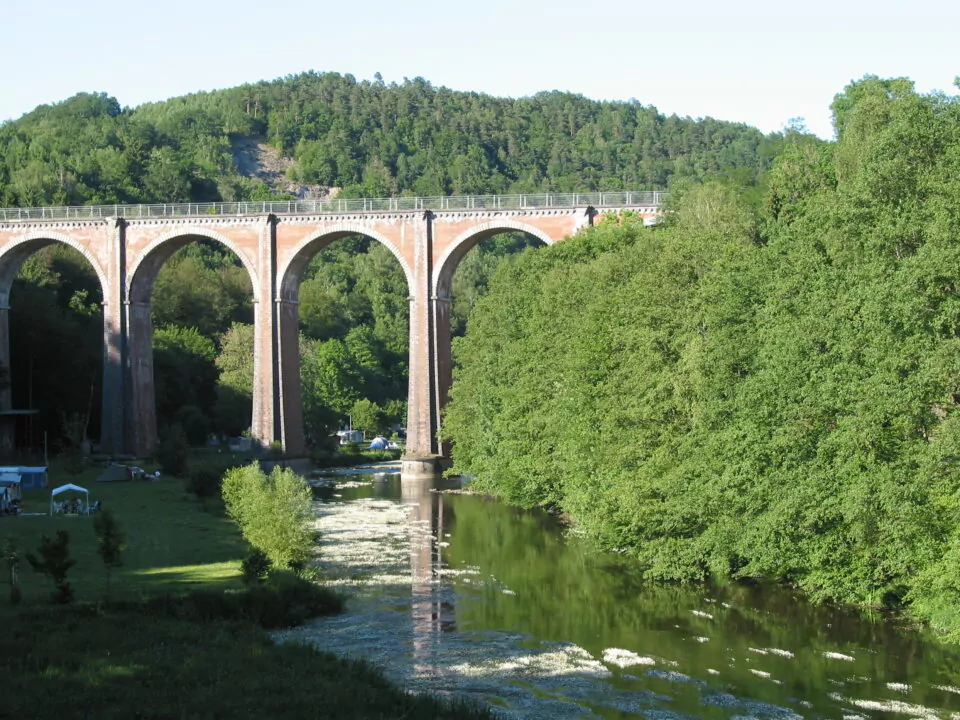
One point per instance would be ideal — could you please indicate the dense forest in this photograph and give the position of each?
(327, 133)
(758, 389)
(366, 138)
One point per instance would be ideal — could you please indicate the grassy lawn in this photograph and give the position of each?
(172, 545)
(146, 654)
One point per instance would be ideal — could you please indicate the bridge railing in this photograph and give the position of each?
(599, 200)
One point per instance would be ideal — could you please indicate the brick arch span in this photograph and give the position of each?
(139, 288)
(15, 252)
(291, 271)
(446, 265)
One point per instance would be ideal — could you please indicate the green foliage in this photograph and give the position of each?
(367, 416)
(110, 541)
(47, 318)
(255, 567)
(204, 481)
(11, 556)
(234, 391)
(55, 562)
(273, 512)
(363, 137)
(184, 370)
(756, 387)
(172, 451)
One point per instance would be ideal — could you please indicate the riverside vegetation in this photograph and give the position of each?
(758, 387)
(177, 632)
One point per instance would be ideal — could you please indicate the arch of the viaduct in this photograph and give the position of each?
(274, 250)
(15, 252)
(12, 257)
(142, 274)
(290, 272)
(442, 281)
(139, 399)
(446, 265)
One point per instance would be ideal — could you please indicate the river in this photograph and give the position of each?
(453, 593)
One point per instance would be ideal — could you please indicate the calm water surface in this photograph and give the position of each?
(457, 594)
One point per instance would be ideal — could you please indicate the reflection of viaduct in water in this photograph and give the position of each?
(127, 246)
(430, 614)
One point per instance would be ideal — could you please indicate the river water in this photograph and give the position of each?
(452, 593)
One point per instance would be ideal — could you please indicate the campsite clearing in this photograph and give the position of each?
(172, 545)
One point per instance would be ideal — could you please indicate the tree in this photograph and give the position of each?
(367, 416)
(55, 563)
(12, 556)
(184, 370)
(234, 403)
(273, 512)
(110, 542)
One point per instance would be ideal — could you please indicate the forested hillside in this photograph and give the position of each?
(367, 138)
(763, 391)
(363, 138)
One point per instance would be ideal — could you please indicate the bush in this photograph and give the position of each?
(283, 601)
(204, 482)
(196, 425)
(273, 512)
(172, 451)
(255, 567)
(55, 564)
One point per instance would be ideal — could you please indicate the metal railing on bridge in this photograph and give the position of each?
(332, 206)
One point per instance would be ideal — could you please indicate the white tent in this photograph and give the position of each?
(66, 488)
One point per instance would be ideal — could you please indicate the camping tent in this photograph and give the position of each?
(12, 483)
(33, 478)
(67, 488)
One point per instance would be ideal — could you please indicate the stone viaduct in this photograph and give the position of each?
(275, 241)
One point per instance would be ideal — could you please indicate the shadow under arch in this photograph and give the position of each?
(12, 256)
(289, 277)
(442, 282)
(140, 392)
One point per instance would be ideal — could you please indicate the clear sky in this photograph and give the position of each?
(761, 63)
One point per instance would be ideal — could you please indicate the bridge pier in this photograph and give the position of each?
(6, 395)
(141, 399)
(421, 420)
(443, 364)
(114, 424)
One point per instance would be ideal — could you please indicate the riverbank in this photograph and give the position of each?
(179, 636)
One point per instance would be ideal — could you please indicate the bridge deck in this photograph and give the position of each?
(599, 200)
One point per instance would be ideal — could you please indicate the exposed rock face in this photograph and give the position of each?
(255, 159)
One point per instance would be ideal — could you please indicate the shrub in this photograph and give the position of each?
(273, 511)
(55, 564)
(195, 424)
(204, 482)
(283, 601)
(172, 451)
(110, 539)
(255, 567)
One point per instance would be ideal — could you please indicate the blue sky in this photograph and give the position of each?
(761, 63)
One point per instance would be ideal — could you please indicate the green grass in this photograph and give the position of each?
(172, 545)
(180, 637)
(86, 663)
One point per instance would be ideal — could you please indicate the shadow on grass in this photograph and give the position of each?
(121, 662)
